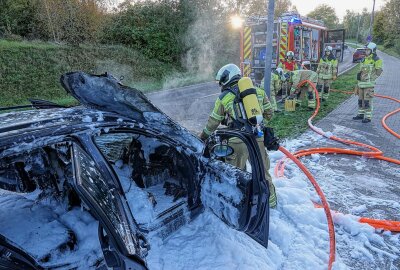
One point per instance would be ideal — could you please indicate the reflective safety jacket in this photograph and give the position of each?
(275, 84)
(288, 65)
(302, 75)
(371, 67)
(327, 67)
(224, 110)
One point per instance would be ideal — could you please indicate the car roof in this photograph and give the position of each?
(22, 120)
(23, 127)
(19, 125)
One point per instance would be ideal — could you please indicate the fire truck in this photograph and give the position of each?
(306, 37)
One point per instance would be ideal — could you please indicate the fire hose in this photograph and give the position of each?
(373, 152)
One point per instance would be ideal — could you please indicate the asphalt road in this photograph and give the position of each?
(191, 105)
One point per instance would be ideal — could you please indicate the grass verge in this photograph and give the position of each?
(390, 51)
(291, 124)
(33, 69)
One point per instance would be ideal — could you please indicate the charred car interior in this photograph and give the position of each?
(88, 187)
(155, 177)
(38, 202)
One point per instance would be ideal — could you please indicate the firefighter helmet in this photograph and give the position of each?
(228, 74)
(328, 48)
(290, 53)
(279, 71)
(371, 46)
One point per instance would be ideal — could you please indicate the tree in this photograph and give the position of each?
(156, 28)
(350, 23)
(72, 21)
(326, 14)
(259, 7)
(391, 11)
(379, 27)
(17, 17)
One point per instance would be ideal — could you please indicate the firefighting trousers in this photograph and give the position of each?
(273, 100)
(323, 87)
(240, 157)
(365, 97)
(307, 93)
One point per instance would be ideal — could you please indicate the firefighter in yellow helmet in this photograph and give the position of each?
(224, 112)
(371, 67)
(327, 71)
(306, 91)
(277, 77)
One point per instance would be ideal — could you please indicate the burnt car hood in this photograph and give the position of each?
(104, 92)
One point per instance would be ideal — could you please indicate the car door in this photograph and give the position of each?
(13, 257)
(123, 247)
(238, 196)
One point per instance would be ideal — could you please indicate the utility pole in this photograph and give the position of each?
(372, 20)
(268, 49)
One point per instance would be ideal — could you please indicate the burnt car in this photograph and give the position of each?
(86, 187)
(359, 55)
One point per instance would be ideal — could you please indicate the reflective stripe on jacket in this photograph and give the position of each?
(327, 68)
(275, 84)
(302, 75)
(224, 107)
(371, 67)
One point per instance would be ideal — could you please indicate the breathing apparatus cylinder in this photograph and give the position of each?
(250, 107)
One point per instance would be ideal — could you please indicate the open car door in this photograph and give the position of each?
(119, 238)
(13, 257)
(239, 196)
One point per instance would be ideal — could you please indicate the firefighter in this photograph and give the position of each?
(327, 71)
(289, 64)
(228, 77)
(277, 77)
(296, 92)
(371, 67)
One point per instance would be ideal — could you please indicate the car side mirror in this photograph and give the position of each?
(222, 150)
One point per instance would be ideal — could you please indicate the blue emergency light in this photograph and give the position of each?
(295, 20)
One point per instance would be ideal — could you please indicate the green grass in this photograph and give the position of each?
(291, 124)
(33, 69)
(390, 51)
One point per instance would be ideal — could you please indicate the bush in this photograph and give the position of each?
(397, 46)
(155, 28)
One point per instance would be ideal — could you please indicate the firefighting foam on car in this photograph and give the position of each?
(115, 182)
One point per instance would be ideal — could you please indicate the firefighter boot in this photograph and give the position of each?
(366, 120)
(359, 117)
(368, 111)
(311, 101)
(319, 89)
(361, 111)
(325, 94)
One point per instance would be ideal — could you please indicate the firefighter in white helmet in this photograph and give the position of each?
(224, 112)
(327, 71)
(289, 64)
(371, 67)
(277, 77)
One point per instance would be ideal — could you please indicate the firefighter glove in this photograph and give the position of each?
(270, 141)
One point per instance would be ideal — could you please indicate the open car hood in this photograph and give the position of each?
(104, 92)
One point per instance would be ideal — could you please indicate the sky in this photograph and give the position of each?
(305, 6)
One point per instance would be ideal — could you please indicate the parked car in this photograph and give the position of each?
(84, 187)
(358, 55)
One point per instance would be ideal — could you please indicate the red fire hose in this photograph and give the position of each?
(373, 152)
